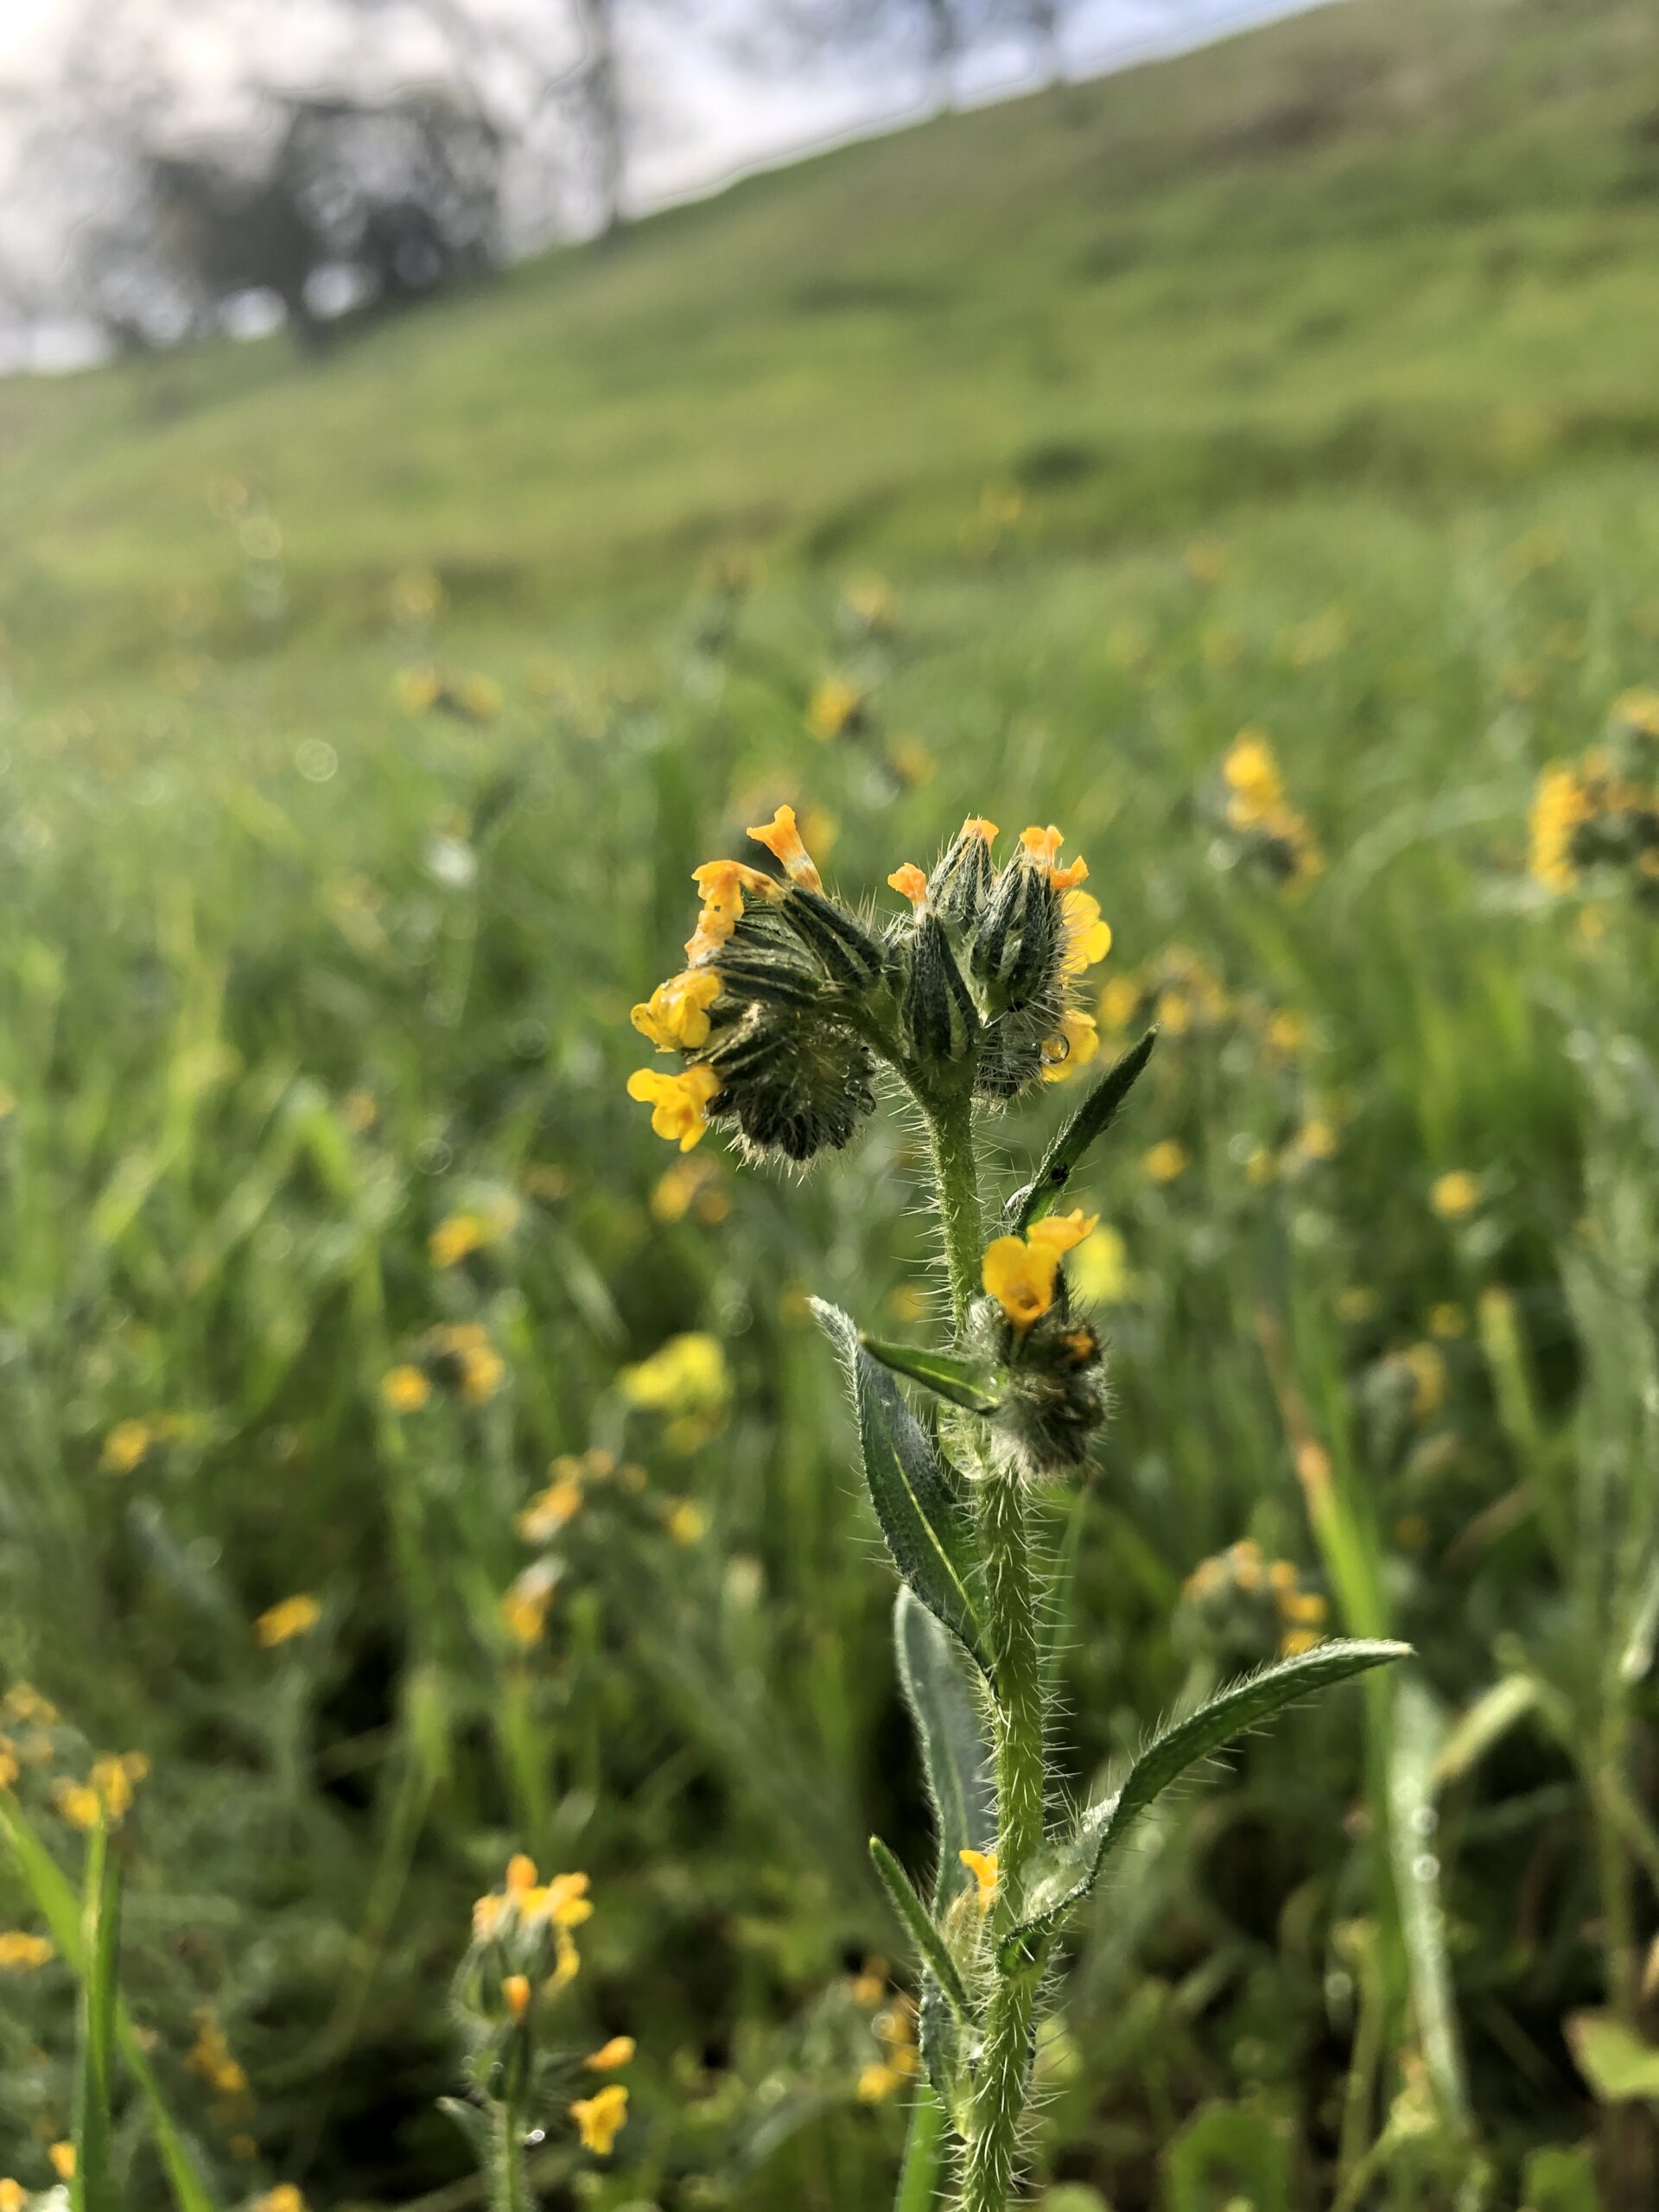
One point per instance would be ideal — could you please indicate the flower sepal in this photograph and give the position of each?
(977, 1386)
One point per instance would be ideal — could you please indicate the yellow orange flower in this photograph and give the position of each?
(679, 1103)
(610, 2055)
(284, 2198)
(62, 2155)
(521, 1876)
(292, 1616)
(601, 2119)
(455, 1238)
(549, 1509)
(687, 1522)
(125, 1446)
(1073, 1047)
(675, 1016)
(911, 882)
(783, 841)
(1021, 1271)
(834, 708)
(13, 2194)
(1561, 805)
(515, 1990)
(1043, 848)
(982, 1866)
(1086, 938)
(1167, 1160)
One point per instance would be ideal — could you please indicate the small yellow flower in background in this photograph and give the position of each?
(547, 1183)
(1426, 1364)
(284, 2198)
(601, 2119)
(1167, 1160)
(1638, 711)
(21, 1952)
(126, 1446)
(1071, 1048)
(1357, 1301)
(1317, 1140)
(877, 2082)
(907, 1303)
(686, 1375)
(522, 1608)
(871, 599)
(1288, 1031)
(691, 1187)
(1251, 772)
(62, 2155)
(10, 1769)
(679, 1103)
(1447, 1320)
(836, 707)
(1101, 1268)
(1561, 806)
(455, 1237)
(515, 1990)
(1120, 1002)
(292, 1616)
(418, 688)
(687, 1522)
(465, 1360)
(550, 1508)
(982, 1866)
(911, 882)
(782, 839)
(13, 2194)
(1021, 1271)
(416, 595)
(405, 1389)
(912, 764)
(1259, 1167)
(210, 2058)
(359, 1110)
(1456, 1196)
(1205, 560)
(610, 2055)
(79, 1804)
(675, 1016)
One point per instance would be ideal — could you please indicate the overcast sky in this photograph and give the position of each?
(714, 119)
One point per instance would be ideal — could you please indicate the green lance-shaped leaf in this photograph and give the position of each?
(971, 1384)
(922, 1517)
(1068, 1869)
(918, 1924)
(955, 1755)
(92, 2186)
(1092, 1120)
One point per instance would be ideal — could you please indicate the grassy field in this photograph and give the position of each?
(360, 723)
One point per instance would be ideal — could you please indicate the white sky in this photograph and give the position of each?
(716, 120)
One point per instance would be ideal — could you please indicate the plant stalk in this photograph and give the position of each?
(509, 2184)
(955, 1172)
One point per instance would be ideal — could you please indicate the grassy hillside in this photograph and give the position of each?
(361, 720)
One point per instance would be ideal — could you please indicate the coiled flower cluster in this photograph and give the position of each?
(789, 1000)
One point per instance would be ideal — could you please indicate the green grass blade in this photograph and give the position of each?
(92, 2187)
(55, 1901)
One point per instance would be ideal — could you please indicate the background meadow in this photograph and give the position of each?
(361, 720)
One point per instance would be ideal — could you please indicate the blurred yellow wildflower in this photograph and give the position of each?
(686, 1375)
(687, 1522)
(62, 2155)
(610, 2055)
(524, 1605)
(290, 1616)
(405, 1389)
(359, 1110)
(1101, 1269)
(1455, 1196)
(1317, 1140)
(691, 1187)
(601, 2119)
(21, 1952)
(1425, 1364)
(1167, 1160)
(125, 1446)
(1561, 805)
(209, 2057)
(1120, 1002)
(462, 1359)
(836, 707)
(284, 2197)
(13, 2194)
(1447, 1320)
(515, 1990)
(550, 1508)
(1251, 771)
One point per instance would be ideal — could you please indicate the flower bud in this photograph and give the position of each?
(941, 1024)
(959, 889)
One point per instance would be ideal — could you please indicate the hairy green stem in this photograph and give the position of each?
(1003, 2074)
(925, 2150)
(950, 1129)
(509, 2186)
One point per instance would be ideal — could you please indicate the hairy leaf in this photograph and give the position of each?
(922, 1517)
(918, 1924)
(955, 1754)
(1068, 1869)
(949, 1375)
(1092, 1120)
